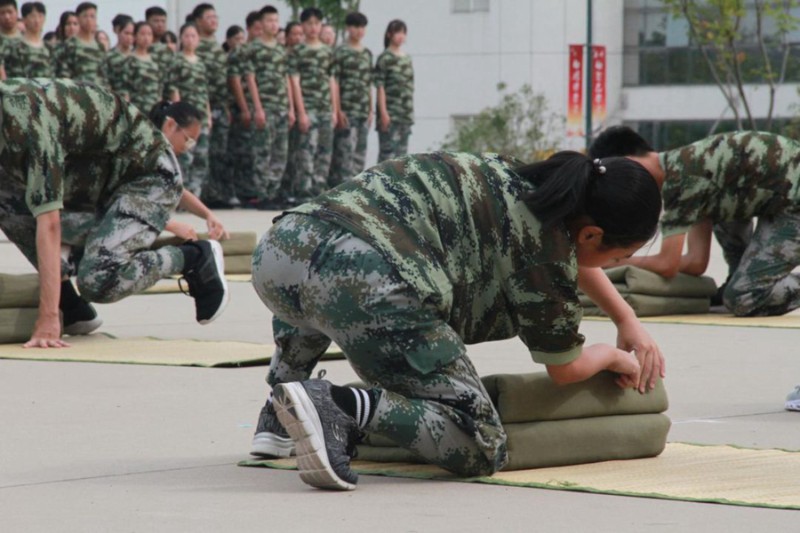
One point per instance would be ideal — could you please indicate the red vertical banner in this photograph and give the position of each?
(598, 84)
(575, 92)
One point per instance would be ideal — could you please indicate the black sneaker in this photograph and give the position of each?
(81, 319)
(271, 439)
(325, 437)
(207, 283)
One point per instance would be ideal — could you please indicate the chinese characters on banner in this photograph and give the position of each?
(575, 92)
(575, 122)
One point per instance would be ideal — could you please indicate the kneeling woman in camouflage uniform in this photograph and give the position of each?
(417, 257)
(83, 168)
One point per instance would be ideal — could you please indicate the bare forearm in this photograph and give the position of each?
(299, 104)
(593, 359)
(48, 251)
(597, 286)
(193, 204)
(252, 88)
(238, 93)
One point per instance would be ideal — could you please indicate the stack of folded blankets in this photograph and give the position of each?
(551, 425)
(19, 306)
(652, 295)
(238, 250)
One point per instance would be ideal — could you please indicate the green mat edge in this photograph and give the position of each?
(655, 320)
(485, 480)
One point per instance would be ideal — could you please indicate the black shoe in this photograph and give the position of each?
(207, 284)
(81, 319)
(271, 439)
(325, 437)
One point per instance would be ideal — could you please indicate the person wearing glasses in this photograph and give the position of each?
(88, 183)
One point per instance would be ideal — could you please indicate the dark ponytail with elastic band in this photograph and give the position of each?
(617, 194)
(181, 112)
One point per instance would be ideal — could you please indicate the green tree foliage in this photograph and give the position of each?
(520, 125)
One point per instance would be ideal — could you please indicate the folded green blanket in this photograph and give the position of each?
(16, 325)
(639, 281)
(239, 243)
(239, 264)
(564, 442)
(19, 290)
(647, 305)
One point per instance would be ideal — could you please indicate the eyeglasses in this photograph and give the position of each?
(190, 142)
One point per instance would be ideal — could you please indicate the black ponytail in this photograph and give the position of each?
(619, 195)
(181, 112)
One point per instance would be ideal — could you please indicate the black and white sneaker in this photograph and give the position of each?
(207, 283)
(271, 439)
(81, 319)
(325, 437)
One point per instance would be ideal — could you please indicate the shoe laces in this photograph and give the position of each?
(187, 290)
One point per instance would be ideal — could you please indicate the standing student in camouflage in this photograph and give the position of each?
(82, 57)
(394, 82)
(9, 32)
(415, 258)
(352, 70)
(90, 172)
(67, 28)
(294, 36)
(269, 89)
(186, 81)
(162, 54)
(218, 186)
(144, 79)
(723, 179)
(310, 70)
(116, 57)
(29, 57)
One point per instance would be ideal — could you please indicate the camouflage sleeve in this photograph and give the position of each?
(64, 62)
(371, 74)
(171, 78)
(685, 194)
(379, 73)
(548, 311)
(336, 68)
(329, 72)
(292, 64)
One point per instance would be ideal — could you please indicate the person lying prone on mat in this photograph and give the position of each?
(412, 260)
(91, 159)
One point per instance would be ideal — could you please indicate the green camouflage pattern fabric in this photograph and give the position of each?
(395, 73)
(143, 82)
(314, 66)
(82, 62)
(312, 157)
(23, 60)
(352, 69)
(162, 54)
(240, 151)
(393, 142)
(115, 70)
(190, 80)
(268, 63)
(194, 165)
(270, 150)
(324, 284)
(456, 228)
(216, 62)
(728, 177)
(112, 174)
(219, 187)
(349, 151)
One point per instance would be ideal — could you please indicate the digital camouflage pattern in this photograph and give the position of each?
(216, 62)
(194, 165)
(352, 70)
(111, 172)
(218, 182)
(393, 142)
(115, 63)
(268, 64)
(82, 62)
(23, 60)
(312, 157)
(349, 151)
(270, 151)
(395, 73)
(143, 82)
(314, 66)
(219, 187)
(240, 137)
(323, 283)
(190, 80)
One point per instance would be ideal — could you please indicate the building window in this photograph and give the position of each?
(470, 6)
(670, 134)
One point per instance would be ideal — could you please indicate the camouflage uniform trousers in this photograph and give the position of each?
(220, 185)
(240, 153)
(313, 156)
(349, 151)
(270, 150)
(322, 283)
(733, 237)
(393, 142)
(194, 164)
(108, 251)
(763, 283)
(288, 180)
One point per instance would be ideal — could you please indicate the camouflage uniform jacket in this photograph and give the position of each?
(76, 121)
(83, 62)
(190, 80)
(236, 64)
(267, 62)
(143, 82)
(216, 62)
(115, 70)
(23, 60)
(162, 54)
(456, 228)
(352, 69)
(395, 74)
(729, 177)
(314, 65)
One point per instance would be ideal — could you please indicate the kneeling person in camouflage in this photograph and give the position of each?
(85, 171)
(415, 258)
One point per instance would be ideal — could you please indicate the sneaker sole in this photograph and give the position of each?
(298, 415)
(271, 445)
(792, 405)
(83, 327)
(219, 261)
